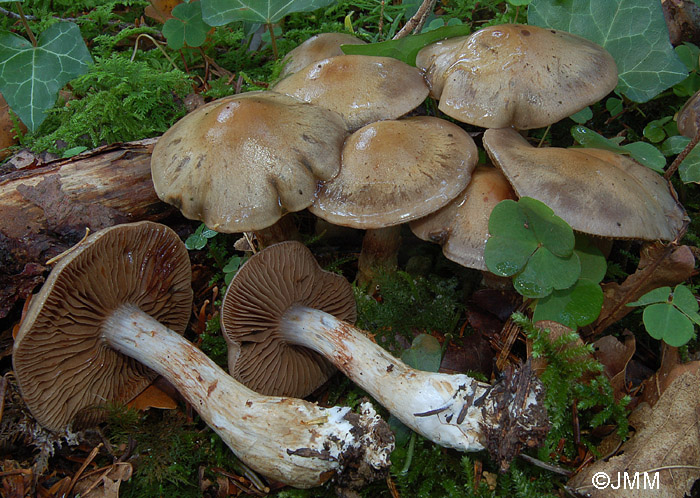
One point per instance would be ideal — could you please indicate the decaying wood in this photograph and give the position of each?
(46, 209)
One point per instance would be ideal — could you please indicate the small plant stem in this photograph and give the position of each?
(136, 47)
(273, 41)
(544, 136)
(380, 25)
(409, 454)
(680, 157)
(415, 23)
(26, 24)
(517, 12)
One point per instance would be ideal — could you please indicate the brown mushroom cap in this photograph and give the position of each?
(595, 191)
(240, 163)
(361, 88)
(462, 226)
(397, 171)
(689, 116)
(516, 75)
(263, 289)
(63, 366)
(317, 48)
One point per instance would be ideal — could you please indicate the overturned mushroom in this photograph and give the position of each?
(361, 88)
(516, 75)
(93, 334)
(455, 411)
(596, 191)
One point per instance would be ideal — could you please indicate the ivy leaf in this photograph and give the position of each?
(30, 77)
(642, 152)
(186, 26)
(633, 31)
(574, 307)
(220, 12)
(405, 49)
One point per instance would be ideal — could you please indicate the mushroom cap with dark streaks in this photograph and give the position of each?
(462, 226)
(516, 75)
(361, 88)
(396, 171)
(596, 191)
(689, 116)
(65, 369)
(262, 290)
(242, 162)
(316, 48)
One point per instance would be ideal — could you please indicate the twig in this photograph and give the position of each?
(546, 466)
(156, 43)
(680, 157)
(415, 23)
(82, 468)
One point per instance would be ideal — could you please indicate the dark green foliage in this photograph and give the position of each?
(213, 343)
(119, 100)
(567, 363)
(409, 304)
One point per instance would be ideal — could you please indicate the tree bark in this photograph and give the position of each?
(46, 209)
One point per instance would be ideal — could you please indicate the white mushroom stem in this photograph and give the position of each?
(287, 439)
(455, 411)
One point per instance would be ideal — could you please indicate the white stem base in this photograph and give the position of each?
(289, 440)
(446, 409)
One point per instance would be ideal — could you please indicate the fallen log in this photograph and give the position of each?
(45, 209)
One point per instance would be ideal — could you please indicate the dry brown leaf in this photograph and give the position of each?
(653, 271)
(152, 397)
(670, 369)
(7, 134)
(666, 445)
(615, 355)
(104, 484)
(161, 10)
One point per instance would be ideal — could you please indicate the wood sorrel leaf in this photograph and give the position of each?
(186, 26)
(574, 307)
(30, 77)
(633, 31)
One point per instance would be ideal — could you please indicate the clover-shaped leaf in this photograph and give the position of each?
(669, 316)
(574, 307)
(530, 242)
(186, 26)
(30, 77)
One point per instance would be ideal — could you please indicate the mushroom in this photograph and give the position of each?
(596, 191)
(455, 411)
(392, 172)
(361, 88)
(240, 163)
(94, 334)
(689, 117)
(462, 226)
(317, 48)
(516, 75)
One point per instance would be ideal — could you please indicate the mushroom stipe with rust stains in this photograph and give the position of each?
(93, 335)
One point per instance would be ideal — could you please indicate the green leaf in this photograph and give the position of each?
(424, 354)
(663, 321)
(220, 12)
(684, 300)
(646, 154)
(658, 295)
(519, 3)
(654, 130)
(583, 115)
(674, 145)
(593, 264)
(550, 230)
(574, 307)
(544, 272)
(614, 106)
(689, 169)
(633, 31)
(405, 49)
(642, 152)
(199, 238)
(511, 243)
(30, 77)
(688, 54)
(186, 27)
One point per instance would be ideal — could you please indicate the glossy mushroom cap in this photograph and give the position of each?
(595, 191)
(240, 163)
(397, 171)
(516, 75)
(317, 48)
(462, 226)
(63, 366)
(264, 288)
(689, 116)
(361, 88)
